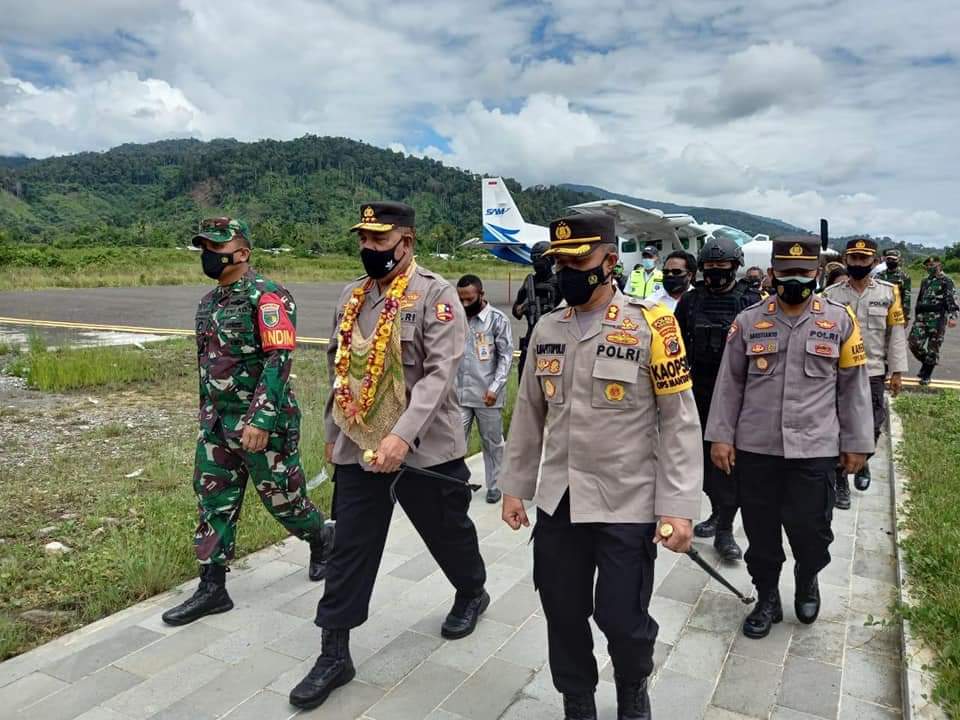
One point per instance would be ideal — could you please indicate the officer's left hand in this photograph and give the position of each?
(254, 439)
(489, 398)
(390, 453)
(852, 462)
(896, 383)
(682, 537)
(951, 323)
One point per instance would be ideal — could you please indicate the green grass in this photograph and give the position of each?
(9, 348)
(930, 454)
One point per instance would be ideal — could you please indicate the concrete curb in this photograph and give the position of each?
(916, 681)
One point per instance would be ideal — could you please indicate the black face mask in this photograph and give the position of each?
(379, 263)
(794, 290)
(754, 283)
(675, 284)
(858, 272)
(542, 266)
(473, 309)
(716, 279)
(214, 263)
(892, 265)
(578, 286)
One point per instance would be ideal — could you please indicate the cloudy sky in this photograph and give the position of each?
(792, 109)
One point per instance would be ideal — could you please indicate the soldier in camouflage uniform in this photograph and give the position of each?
(936, 309)
(249, 418)
(893, 273)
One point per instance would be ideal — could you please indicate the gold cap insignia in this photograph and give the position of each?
(562, 232)
(797, 249)
(368, 213)
(860, 244)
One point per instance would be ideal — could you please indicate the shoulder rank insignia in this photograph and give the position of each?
(613, 312)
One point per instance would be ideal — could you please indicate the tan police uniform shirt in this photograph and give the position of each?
(612, 414)
(433, 331)
(880, 315)
(793, 387)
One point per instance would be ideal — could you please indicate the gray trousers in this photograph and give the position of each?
(490, 425)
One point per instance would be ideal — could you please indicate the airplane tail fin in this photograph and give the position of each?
(498, 206)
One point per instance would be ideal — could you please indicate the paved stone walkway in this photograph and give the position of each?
(240, 665)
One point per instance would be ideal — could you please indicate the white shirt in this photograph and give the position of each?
(662, 296)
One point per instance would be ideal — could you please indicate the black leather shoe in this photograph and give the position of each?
(320, 550)
(464, 615)
(633, 703)
(333, 669)
(765, 613)
(707, 528)
(727, 546)
(493, 496)
(842, 501)
(210, 598)
(806, 600)
(579, 707)
(861, 481)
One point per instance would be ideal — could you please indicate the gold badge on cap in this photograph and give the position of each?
(562, 232)
(797, 249)
(860, 245)
(368, 214)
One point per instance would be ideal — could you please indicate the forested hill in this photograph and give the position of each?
(302, 193)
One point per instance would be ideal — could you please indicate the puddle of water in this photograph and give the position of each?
(60, 337)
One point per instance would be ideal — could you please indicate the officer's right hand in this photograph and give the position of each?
(724, 456)
(328, 452)
(514, 513)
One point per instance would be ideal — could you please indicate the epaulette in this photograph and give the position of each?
(761, 301)
(835, 303)
(556, 309)
(883, 282)
(644, 302)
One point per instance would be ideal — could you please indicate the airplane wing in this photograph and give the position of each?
(635, 221)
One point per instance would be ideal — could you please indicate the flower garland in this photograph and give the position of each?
(356, 409)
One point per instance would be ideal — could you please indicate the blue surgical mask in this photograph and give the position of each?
(648, 263)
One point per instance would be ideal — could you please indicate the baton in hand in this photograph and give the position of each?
(370, 455)
(666, 530)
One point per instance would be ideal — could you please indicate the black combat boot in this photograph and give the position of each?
(464, 615)
(210, 598)
(842, 501)
(320, 550)
(708, 527)
(333, 668)
(926, 371)
(806, 600)
(633, 703)
(861, 481)
(579, 707)
(727, 546)
(763, 616)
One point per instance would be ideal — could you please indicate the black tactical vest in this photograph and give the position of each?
(709, 317)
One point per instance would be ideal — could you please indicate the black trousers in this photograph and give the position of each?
(566, 557)
(795, 495)
(438, 511)
(879, 407)
(718, 486)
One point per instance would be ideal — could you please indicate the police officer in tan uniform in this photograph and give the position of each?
(397, 340)
(601, 373)
(878, 308)
(792, 398)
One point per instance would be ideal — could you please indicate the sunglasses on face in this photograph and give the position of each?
(674, 273)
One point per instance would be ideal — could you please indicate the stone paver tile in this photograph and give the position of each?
(699, 653)
(870, 596)
(428, 593)
(844, 522)
(882, 640)
(101, 713)
(501, 578)
(528, 708)
(416, 568)
(747, 686)
(377, 632)
(489, 692)
(683, 584)
(515, 606)
(394, 662)
(166, 687)
(875, 565)
(305, 605)
(661, 653)
(837, 572)
(679, 697)
(492, 552)
(439, 714)
(265, 705)
(99, 655)
(852, 708)
(842, 547)
(875, 520)
(231, 687)
(387, 590)
(771, 649)
(715, 713)
(718, 612)
(834, 603)
(249, 586)
(419, 693)
(519, 556)
(170, 650)
(529, 646)
(346, 703)
(514, 538)
(81, 696)
(874, 502)
(302, 642)
(28, 690)
(671, 616)
(821, 641)
(264, 627)
(431, 623)
(810, 686)
(877, 541)
(871, 677)
(471, 652)
(407, 543)
(785, 713)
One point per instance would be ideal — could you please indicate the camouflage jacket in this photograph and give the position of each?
(902, 281)
(245, 336)
(936, 296)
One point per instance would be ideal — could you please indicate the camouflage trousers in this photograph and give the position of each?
(926, 337)
(221, 470)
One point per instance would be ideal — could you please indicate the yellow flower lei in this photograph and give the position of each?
(356, 409)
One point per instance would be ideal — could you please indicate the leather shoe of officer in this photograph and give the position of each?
(861, 481)
(842, 501)
(210, 598)
(464, 616)
(333, 668)
(707, 528)
(726, 546)
(633, 702)
(765, 613)
(579, 707)
(320, 550)
(806, 601)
